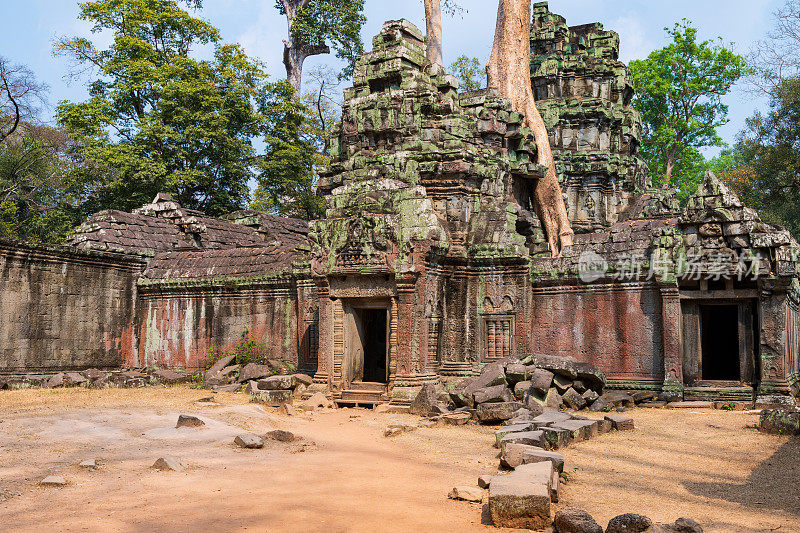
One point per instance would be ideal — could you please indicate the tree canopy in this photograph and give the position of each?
(469, 71)
(679, 95)
(316, 25)
(158, 119)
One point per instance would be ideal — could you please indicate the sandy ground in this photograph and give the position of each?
(345, 476)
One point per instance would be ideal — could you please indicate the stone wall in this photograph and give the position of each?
(177, 325)
(618, 328)
(65, 309)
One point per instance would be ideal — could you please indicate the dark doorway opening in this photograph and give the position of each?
(720, 343)
(374, 324)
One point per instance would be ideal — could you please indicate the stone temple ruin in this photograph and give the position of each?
(430, 262)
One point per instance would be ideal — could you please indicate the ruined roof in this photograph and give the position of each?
(164, 225)
(264, 261)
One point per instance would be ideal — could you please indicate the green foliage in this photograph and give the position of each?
(287, 181)
(159, 120)
(34, 202)
(679, 95)
(336, 23)
(469, 71)
(763, 167)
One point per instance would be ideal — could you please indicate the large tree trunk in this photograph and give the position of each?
(294, 54)
(433, 39)
(509, 71)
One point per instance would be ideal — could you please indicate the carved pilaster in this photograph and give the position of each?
(325, 347)
(672, 343)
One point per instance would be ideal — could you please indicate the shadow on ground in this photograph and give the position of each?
(765, 488)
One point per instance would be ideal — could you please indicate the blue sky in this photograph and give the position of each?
(28, 27)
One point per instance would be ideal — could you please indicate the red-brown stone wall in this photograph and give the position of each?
(618, 328)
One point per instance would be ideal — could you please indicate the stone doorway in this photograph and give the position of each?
(366, 353)
(719, 332)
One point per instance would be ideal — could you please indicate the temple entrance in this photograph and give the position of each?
(720, 343)
(366, 344)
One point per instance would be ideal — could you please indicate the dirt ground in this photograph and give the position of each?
(345, 476)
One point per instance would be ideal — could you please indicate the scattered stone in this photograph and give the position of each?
(249, 441)
(514, 428)
(288, 409)
(573, 399)
(281, 435)
(484, 481)
(531, 456)
(562, 384)
(88, 463)
(168, 463)
(496, 394)
(424, 402)
(220, 364)
(233, 387)
(521, 389)
(514, 453)
(467, 494)
(548, 418)
(276, 383)
(571, 520)
(643, 396)
(690, 405)
(521, 499)
(604, 426)
(251, 388)
(516, 373)
(779, 422)
(302, 379)
(681, 525)
(590, 396)
(53, 481)
(56, 381)
(188, 421)
(541, 381)
(253, 371)
(171, 377)
(428, 423)
(629, 523)
(273, 398)
(620, 423)
(317, 400)
(599, 405)
(490, 376)
(554, 438)
(617, 399)
(531, 438)
(657, 404)
(392, 431)
(579, 429)
(497, 412)
(207, 399)
(456, 419)
(579, 386)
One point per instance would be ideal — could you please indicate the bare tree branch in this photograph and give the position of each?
(21, 97)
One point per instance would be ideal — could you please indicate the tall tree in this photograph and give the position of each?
(157, 118)
(21, 96)
(312, 24)
(469, 71)
(509, 71)
(36, 203)
(679, 95)
(434, 46)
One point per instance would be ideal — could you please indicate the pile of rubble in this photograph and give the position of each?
(779, 422)
(95, 378)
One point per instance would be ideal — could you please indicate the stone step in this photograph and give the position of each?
(367, 386)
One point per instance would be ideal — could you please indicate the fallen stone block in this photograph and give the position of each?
(484, 481)
(288, 409)
(233, 387)
(253, 371)
(89, 464)
(424, 402)
(496, 412)
(541, 380)
(505, 430)
(573, 399)
(579, 429)
(562, 384)
(531, 456)
(249, 441)
(681, 525)
(171, 377)
(468, 494)
(168, 463)
(779, 422)
(571, 520)
(520, 500)
(496, 394)
(276, 383)
(617, 399)
(280, 435)
(456, 419)
(579, 386)
(53, 481)
(514, 453)
(490, 376)
(555, 485)
(521, 389)
(643, 396)
(690, 405)
(548, 418)
(56, 381)
(604, 426)
(302, 379)
(599, 405)
(220, 364)
(516, 373)
(620, 422)
(571, 368)
(461, 398)
(531, 438)
(554, 439)
(590, 396)
(317, 400)
(273, 398)
(188, 421)
(629, 523)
